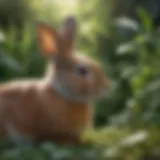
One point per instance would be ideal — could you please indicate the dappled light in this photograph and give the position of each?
(103, 104)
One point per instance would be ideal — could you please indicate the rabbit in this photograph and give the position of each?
(57, 107)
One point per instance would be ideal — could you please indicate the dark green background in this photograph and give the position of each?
(124, 35)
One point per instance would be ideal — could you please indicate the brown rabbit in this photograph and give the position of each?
(57, 107)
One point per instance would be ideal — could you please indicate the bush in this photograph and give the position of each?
(14, 12)
(129, 51)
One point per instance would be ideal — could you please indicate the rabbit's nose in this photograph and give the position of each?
(104, 91)
(105, 87)
(106, 84)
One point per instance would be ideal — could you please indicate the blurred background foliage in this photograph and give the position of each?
(124, 35)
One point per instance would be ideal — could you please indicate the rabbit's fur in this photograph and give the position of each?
(56, 107)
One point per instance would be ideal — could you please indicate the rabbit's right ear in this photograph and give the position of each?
(47, 37)
(68, 31)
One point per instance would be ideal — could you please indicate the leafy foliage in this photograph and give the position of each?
(129, 118)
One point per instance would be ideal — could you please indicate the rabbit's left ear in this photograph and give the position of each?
(69, 29)
(48, 39)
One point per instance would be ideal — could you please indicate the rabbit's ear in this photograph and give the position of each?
(69, 32)
(47, 39)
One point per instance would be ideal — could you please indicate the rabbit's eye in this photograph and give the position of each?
(82, 71)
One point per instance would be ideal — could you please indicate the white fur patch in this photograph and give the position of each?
(67, 93)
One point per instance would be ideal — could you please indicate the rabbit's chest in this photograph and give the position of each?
(76, 119)
(65, 119)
